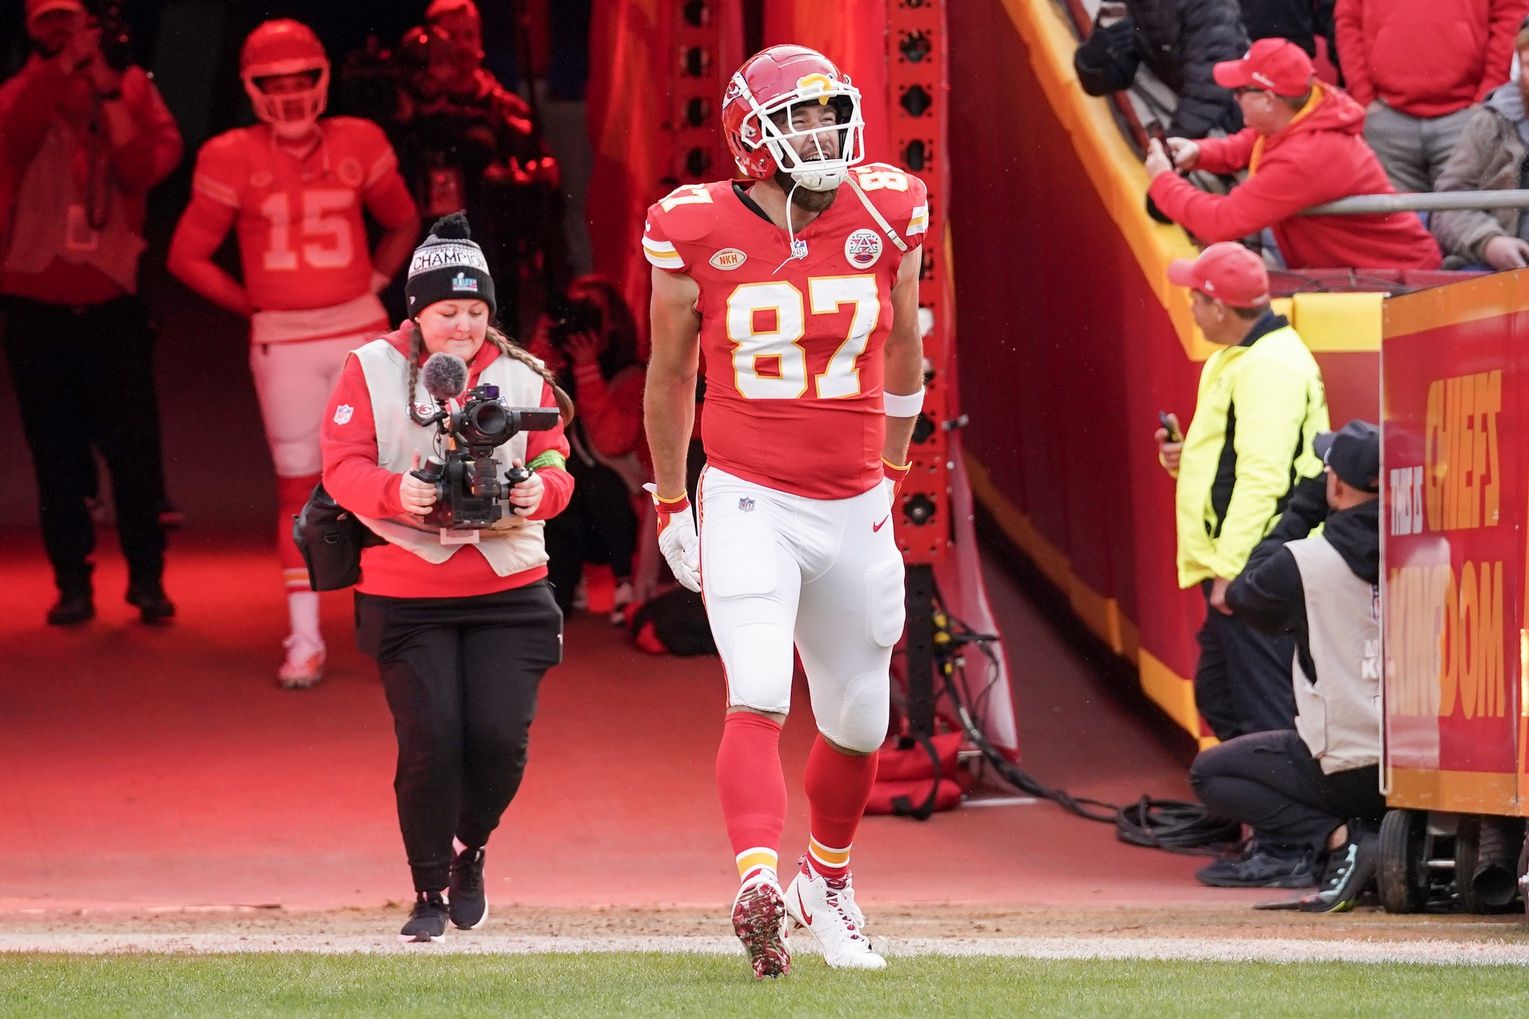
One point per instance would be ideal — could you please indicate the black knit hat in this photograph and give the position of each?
(448, 267)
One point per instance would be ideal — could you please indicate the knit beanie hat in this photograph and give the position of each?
(448, 267)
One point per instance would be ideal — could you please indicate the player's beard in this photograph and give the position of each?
(804, 198)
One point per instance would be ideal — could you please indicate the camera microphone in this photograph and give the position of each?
(445, 376)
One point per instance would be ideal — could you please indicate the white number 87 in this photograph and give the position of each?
(771, 364)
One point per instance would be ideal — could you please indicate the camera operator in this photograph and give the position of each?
(462, 624)
(84, 136)
(589, 339)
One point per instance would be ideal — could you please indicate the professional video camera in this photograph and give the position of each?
(116, 44)
(469, 492)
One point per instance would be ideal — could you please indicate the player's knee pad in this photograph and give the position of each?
(859, 721)
(884, 606)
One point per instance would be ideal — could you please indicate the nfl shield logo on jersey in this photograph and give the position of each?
(342, 414)
(746, 504)
(863, 248)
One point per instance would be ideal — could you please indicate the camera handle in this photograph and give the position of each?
(515, 475)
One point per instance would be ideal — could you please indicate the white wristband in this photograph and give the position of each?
(905, 406)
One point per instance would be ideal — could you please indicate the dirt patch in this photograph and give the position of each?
(1209, 925)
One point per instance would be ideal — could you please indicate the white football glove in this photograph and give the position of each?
(677, 539)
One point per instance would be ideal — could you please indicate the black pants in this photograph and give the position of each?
(1270, 781)
(1242, 680)
(599, 526)
(85, 378)
(461, 676)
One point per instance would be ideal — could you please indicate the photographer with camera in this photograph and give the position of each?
(460, 619)
(84, 137)
(589, 338)
(466, 142)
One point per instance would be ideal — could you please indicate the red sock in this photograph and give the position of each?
(838, 787)
(291, 493)
(753, 789)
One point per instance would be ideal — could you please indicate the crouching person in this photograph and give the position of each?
(1317, 785)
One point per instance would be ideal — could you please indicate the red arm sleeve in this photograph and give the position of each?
(28, 106)
(1227, 155)
(1277, 191)
(1353, 51)
(611, 411)
(557, 481)
(349, 444)
(1502, 29)
(148, 157)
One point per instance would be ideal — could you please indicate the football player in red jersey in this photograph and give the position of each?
(295, 188)
(799, 290)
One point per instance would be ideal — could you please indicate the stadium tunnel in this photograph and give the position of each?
(179, 775)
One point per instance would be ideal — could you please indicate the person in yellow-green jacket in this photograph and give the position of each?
(1260, 404)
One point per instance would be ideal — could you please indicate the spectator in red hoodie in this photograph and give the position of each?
(1418, 66)
(1302, 147)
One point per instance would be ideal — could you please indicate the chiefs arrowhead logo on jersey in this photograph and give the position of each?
(863, 248)
(728, 259)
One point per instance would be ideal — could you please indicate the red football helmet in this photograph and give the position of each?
(774, 80)
(276, 49)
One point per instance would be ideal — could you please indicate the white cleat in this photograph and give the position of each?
(830, 912)
(304, 666)
(759, 920)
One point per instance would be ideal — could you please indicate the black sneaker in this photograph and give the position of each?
(72, 609)
(1349, 872)
(154, 608)
(427, 921)
(1260, 867)
(469, 902)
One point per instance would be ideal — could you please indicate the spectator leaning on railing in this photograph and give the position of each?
(1490, 156)
(1302, 147)
(1418, 66)
(1178, 40)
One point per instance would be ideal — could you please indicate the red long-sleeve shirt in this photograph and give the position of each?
(611, 411)
(353, 478)
(30, 105)
(1318, 157)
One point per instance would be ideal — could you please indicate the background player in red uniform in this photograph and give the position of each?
(296, 188)
(801, 293)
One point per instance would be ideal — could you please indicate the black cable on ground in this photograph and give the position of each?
(1172, 825)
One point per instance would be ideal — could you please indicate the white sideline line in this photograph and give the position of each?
(1488, 953)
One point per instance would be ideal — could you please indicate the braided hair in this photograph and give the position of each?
(507, 347)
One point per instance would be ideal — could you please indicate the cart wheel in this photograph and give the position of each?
(1468, 841)
(1402, 870)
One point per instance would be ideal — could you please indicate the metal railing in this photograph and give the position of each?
(1420, 201)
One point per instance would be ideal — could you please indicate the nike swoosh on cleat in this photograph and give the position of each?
(877, 527)
(806, 916)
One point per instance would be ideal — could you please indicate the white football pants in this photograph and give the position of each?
(824, 573)
(293, 382)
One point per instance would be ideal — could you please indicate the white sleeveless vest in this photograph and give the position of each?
(513, 544)
(1338, 716)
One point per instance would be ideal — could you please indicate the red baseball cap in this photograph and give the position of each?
(1226, 271)
(37, 8)
(1278, 65)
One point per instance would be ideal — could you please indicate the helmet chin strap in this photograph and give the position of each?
(819, 182)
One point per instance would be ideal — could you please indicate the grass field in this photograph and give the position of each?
(707, 985)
